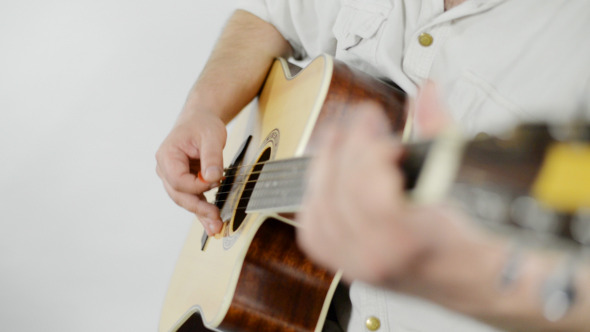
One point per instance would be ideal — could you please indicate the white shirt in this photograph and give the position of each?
(480, 53)
(481, 50)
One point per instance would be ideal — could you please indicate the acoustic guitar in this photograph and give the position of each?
(252, 276)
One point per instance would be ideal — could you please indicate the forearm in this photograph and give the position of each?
(520, 308)
(465, 275)
(237, 66)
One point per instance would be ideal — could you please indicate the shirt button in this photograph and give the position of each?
(425, 39)
(373, 323)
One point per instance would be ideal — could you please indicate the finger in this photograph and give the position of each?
(388, 177)
(187, 201)
(208, 215)
(175, 169)
(320, 246)
(368, 174)
(194, 203)
(320, 175)
(211, 154)
(333, 184)
(368, 126)
(158, 171)
(357, 154)
(313, 235)
(431, 115)
(372, 120)
(207, 210)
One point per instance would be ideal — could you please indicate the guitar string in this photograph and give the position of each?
(263, 190)
(267, 192)
(275, 204)
(303, 159)
(291, 177)
(269, 162)
(236, 200)
(295, 168)
(256, 201)
(245, 208)
(290, 170)
(295, 165)
(266, 195)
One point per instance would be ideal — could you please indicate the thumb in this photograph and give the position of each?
(211, 155)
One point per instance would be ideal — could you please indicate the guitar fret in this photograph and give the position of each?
(280, 186)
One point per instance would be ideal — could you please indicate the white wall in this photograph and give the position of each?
(88, 90)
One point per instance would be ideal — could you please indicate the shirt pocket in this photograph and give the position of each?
(478, 106)
(357, 25)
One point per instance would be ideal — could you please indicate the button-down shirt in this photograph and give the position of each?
(496, 63)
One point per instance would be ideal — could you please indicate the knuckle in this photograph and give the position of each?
(207, 210)
(175, 198)
(162, 152)
(158, 154)
(175, 183)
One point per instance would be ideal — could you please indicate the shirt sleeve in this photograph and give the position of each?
(306, 24)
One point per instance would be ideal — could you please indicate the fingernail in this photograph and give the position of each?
(206, 227)
(213, 173)
(209, 225)
(210, 230)
(214, 228)
(205, 220)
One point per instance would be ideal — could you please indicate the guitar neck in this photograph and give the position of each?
(280, 185)
(497, 181)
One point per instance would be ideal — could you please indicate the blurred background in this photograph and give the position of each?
(88, 90)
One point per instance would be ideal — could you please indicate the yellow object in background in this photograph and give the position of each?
(563, 183)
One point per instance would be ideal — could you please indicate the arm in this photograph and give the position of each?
(237, 66)
(231, 78)
(427, 251)
(461, 269)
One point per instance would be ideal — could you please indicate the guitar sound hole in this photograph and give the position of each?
(248, 188)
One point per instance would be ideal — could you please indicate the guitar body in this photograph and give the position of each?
(253, 277)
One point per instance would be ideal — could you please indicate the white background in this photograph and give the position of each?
(88, 90)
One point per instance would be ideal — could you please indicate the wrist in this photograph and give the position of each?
(524, 306)
(203, 101)
(472, 274)
(461, 269)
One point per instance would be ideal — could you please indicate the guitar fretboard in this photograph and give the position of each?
(280, 186)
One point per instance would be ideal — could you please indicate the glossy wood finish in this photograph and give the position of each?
(351, 90)
(279, 288)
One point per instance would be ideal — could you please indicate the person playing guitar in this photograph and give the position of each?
(355, 216)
